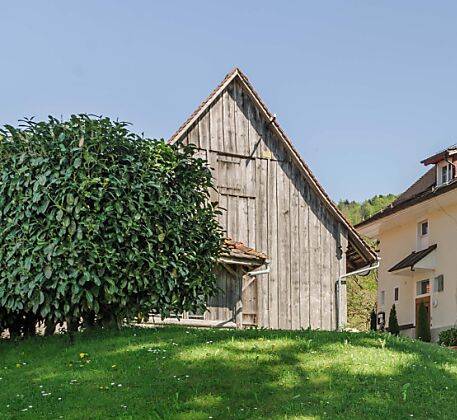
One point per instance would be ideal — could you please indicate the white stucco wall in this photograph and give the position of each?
(397, 240)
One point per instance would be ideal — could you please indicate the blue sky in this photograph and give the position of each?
(364, 89)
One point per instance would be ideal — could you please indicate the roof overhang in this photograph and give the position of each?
(424, 260)
(438, 157)
(237, 253)
(445, 196)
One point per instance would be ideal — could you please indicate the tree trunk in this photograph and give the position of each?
(30, 322)
(50, 328)
(89, 319)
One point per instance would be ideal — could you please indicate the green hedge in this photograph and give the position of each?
(448, 337)
(97, 220)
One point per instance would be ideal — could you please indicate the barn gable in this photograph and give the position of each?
(271, 201)
(236, 98)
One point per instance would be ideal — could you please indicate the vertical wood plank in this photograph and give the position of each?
(255, 130)
(231, 296)
(333, 274)
(325, 270)
(261, 235)
(204, 131)
(252, 225)
(193, 135)
(284, 246)
(239, 299)
(294, 251)
(304, 256)
(242, 226)
(315, 263)
(216, 125)
(232, 217)
(241, 122)
(273, 245)
(223, 206)
(213, 165)
(228, 106)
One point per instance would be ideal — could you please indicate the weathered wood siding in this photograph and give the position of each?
(222, 307)
(267, 204)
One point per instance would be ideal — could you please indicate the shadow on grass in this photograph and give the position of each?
(188, 373)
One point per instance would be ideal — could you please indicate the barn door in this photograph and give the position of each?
(249, 301)
(236, 176)
(236, 184)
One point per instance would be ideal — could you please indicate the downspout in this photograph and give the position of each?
(266, 270)
(339, 282)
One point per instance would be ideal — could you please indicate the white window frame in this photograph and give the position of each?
(436, 283)
(398, 294)
(445, 173)
(422, 239)
(423, 294)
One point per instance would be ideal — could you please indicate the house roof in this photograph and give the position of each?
(412, 259)
(240, 252)
(422, 190)
(359, 251)
(441, 155)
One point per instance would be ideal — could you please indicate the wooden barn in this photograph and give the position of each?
(290, 245)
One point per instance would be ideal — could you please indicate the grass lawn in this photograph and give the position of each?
(185, 373)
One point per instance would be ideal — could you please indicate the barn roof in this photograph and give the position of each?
(359, 252)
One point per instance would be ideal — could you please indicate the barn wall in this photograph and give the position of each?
(267, 204)
(223, 306)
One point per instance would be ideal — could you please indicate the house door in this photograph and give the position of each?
(249, 301)
(426, 301)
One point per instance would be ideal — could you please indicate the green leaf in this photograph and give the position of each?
(48, 272)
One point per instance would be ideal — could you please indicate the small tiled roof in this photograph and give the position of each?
(412, 259)
(236, 249)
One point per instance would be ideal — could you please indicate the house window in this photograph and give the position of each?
(396, 293)
(444, 174)
(424, 228)
(382, 297)
(422, 235)
(422, 287)
(439, 284)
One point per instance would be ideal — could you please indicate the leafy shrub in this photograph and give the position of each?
(393, 322)
(373, 320)
(95, 220)
(448, 337)
(423, 324)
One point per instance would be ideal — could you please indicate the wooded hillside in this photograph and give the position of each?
(357, 212)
